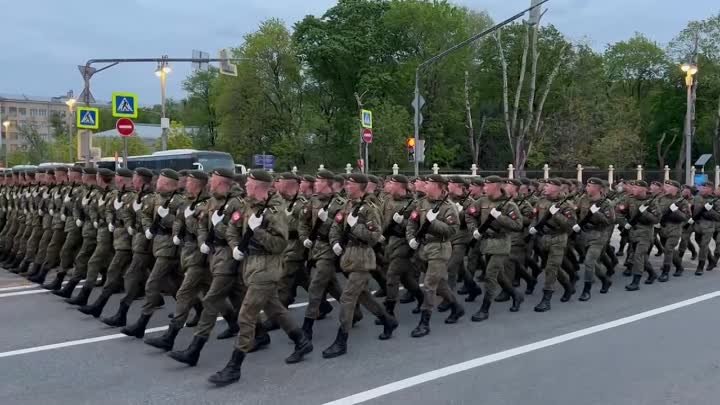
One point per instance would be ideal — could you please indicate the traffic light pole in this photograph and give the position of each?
(446, 52)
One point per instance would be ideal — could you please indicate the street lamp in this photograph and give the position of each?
(690, 71)
(162, 71)
(6, 125)
(70, 102)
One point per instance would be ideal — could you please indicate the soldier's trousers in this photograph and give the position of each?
(516, 263)
(670, 239)
(73, 242)
(136, 275)
(98, 263)
(43, 245)
(293, 275)
(322, 278)
(83, 257)
(592, 266)
(401, 270)
(215, 302)
(495, 267)
(552, 248)
(52, 253)
(21, 240)
(165, 277)
(116, 271)
(641, 251)
(194, 286)
(456, 265)
(686, 242)
(356, 291)
(260, 297)
(436, 283)
(703, 240)
(33, 243)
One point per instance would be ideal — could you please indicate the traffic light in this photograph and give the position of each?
(410, 144)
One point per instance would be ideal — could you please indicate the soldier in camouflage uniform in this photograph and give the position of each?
(43, 212)
(675, 211)
(704, 219)
(193, 262)
(117, 210)
(438, 219)
(685, 241)
(517, 263)
(258, 237)
(288, 187)
(50, 257)
(12, 212)
(37, 198)
(25, 219)
(165, 277)
(642, 213)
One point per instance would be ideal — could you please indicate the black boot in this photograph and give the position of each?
(474, 290)
(568, 291)
(678, 271)
(262, 338)
(389, 324)
(390, 308)
(665, 275)
(67, 290)
(39, 278)
(119, 319)
(407, 297)
(502, 297)
(167, 340)
(96, 308)
(81, 298)
(444, 306)
(456, 312)
(196, 318)
(530, 286)
(420, 297)
(517, 300)
(33, 270)
(700, 268)
(628, 270)
(463, 290)
(423, 327)
(635, 285)
(101, 282)
(303, 346)
(138, 328)
(339, 346)
(191, 355)
(652, 276)
(484, 312)
(585, 296)
(325, 309)
(544, 304)
(307, 327)
(56, 283)
(232, 326)
(23, 268)
(231, 372)
(270, 325)
(606, 283)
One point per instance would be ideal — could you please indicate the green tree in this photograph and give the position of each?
(200, 107)
(177, 137)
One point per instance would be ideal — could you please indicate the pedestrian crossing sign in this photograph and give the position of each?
(88, 118)
(366, 119)
(124, 105)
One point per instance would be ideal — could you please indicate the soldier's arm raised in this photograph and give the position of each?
(447, 222)
(511, 218)
(369, 231)
(274, 235)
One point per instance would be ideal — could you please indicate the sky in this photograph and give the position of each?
(43, 41)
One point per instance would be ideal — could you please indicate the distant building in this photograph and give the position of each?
(148, 133)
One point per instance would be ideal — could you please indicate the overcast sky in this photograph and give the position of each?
(43, 41)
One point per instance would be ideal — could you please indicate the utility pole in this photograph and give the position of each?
(690, 69)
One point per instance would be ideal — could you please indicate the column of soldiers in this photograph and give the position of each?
(237, 247)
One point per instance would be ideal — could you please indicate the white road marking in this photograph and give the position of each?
(39, 291)
(506, 354)
(20, 287)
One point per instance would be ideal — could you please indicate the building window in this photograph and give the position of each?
(33, 112)
(43, 113)
(22, 111)
(12, 111)
(2, 110)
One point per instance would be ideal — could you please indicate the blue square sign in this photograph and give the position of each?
(124, 105)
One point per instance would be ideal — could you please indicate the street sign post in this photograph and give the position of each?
(267, 162)
(125, 127)
(124, 105)
(366, 119)
(88, 118)
(367, 135)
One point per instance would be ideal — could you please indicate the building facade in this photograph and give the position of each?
(19, 112)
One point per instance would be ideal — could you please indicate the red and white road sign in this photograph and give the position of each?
(367, 135)
(125, 126)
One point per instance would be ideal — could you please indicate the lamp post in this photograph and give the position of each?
(162, 71)
(690, 71)
(70, 102)
(6, 125)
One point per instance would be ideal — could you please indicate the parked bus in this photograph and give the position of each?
(177, 159)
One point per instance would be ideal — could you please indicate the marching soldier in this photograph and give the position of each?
(35, 213)
(47, 218)
(686, 243)
(675, 213)
(705, 216)
(642, 213)
(50, 258)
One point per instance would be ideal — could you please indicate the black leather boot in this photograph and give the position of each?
(262, 338)
(423, 327)
(407, 297)
(665, 275)
(652, 276)
(484, 312)
(502, 297)
(39, 278)
(24, 268)
(232, 326)
(678, 271)
(95, 309)
(517, 300)
(198, 307)
(325, 309)
(390, 308)
(530, 286)
(81, 298)
(585, 296)
(700, 268)
(167, 340)
(119, 319)
(307, 327)
(635, 285)
(420, 297)
(137, 329)
(303, 346)
(444, 306)
(56, 283)
(270, 325)
(67, 290)
(339, 346)
(191, 355)
(544, 304)
(231, 372)
(568, 291)
(473, 289)
(33, 270)
(606, 283)
(456, 312)
(389, 324)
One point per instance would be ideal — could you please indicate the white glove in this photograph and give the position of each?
(657, 226)
(162, 211)
(576, 228)
(413, 244)
(352, 220)
(205, 249)
(381, 239)
(131, 230)
(628, 227)
(476, 235)
(642, 208)
(148, 235)
(594, 209)
(307, 243)
(708, 207)
(237, 254)
(63, 217)
(255, 221)
(398, 218)
(177, 241)
(337, 249)
(216, 218)
(459, 207)
(673, 207)
(691, 221)
(111, 228)
(40, 211)
(288, 213)
(78, 223)
(554, 210)
(95, 224)
(52, 211)
(431, 215)
(532, 230)
(322, 215)
(495, 213)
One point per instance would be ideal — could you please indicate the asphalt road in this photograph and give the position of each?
(655, 346)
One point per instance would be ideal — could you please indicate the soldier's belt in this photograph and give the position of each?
(293, 235)
(252, 251)
(323, 238)
(164, 232)
(220, 242)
